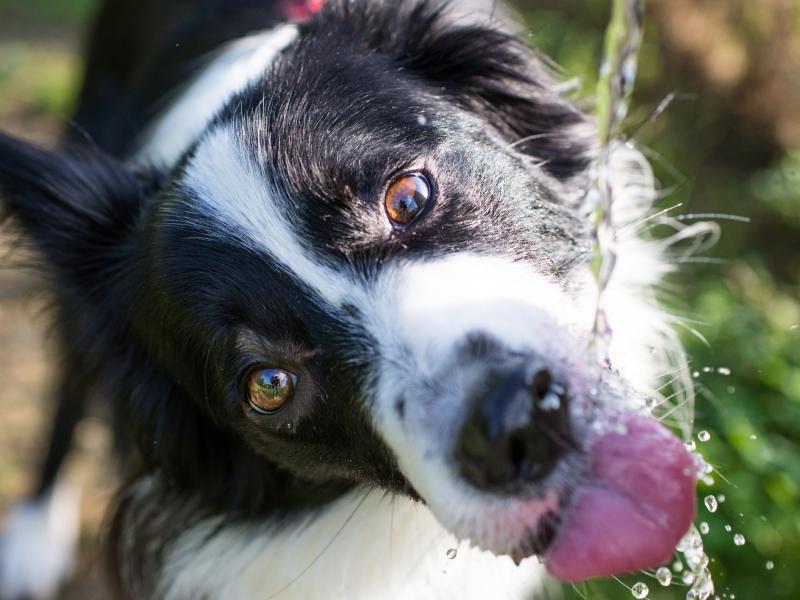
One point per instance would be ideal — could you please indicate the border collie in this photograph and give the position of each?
(336, 291)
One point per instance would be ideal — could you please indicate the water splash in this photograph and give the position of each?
(614, 89)
(696, 575)
(640, 590)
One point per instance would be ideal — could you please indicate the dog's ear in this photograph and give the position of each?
(496, 75)
(75, 208)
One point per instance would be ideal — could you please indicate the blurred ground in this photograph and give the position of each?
(729, 143)
(38, 71)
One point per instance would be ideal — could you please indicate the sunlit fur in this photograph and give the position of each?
(246, 228)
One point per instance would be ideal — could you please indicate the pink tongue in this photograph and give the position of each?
(635, 507)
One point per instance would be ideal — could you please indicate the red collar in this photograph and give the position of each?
(300, 10)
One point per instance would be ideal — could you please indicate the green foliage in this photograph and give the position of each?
(54, 11)
(51, 90)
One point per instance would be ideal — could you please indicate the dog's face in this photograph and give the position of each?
(361, 274)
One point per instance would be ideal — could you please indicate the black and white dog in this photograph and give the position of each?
(337, 293)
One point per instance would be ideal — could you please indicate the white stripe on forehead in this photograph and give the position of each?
(232, 190)
(236, 66)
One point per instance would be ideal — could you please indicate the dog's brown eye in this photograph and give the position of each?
(269, 389)
(407, 197)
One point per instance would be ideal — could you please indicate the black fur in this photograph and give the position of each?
(164, 316)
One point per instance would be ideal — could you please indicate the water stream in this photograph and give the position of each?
(614, 89)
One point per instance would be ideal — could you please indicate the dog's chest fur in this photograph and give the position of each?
(367, 544)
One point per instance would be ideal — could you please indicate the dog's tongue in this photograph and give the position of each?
(635, 506)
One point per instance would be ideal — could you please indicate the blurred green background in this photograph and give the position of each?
(729, 142)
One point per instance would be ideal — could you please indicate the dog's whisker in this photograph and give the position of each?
(712, 216)
(673, 410)
(324, 549)
(531, 138)
(649, 218)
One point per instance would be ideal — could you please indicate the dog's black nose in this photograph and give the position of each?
(517, 432)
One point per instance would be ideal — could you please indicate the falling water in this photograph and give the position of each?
(614, 89)
(696, 576)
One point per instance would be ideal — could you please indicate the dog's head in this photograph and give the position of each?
(371, 268)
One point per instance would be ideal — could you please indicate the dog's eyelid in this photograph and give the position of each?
(254, 348)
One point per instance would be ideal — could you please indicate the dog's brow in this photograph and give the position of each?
(232, 190)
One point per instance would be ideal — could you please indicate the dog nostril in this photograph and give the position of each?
(540, 384)
(516, 454)
(518, 432)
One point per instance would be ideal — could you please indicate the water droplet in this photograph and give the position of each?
(640, 589)
(721, 498)
(677, 566)
(703, 585)
(738, 539)
(711, 503)
(703, 436)
(550, 402)
(727, 528)
(696, 374)
(704, 528)
(664, 576)
(708, 369)
(753, 436)
(731, 389)
(770, 565)
(451, 553)
(724, 371)
(687, 577)
(690, 445)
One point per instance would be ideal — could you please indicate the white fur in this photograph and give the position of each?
(420, 313)
(38, 545)
(236, 66)
(232, 189)
(366, 545)
(431, 306)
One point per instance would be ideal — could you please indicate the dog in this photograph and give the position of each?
(328, 265)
